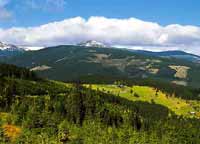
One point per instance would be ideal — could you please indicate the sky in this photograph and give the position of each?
(145, 24)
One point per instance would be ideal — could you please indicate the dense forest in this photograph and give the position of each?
(13, 71)
(34, 110)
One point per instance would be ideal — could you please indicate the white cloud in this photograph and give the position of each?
(126, 32)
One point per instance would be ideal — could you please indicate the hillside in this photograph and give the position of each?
(34, 110)
(69, 63)
(171, 54)
(152, 95)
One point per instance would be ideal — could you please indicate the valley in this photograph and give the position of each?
(36, 110)
(81, 94)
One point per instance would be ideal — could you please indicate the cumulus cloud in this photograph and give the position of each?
(4, 13)
(131, 33)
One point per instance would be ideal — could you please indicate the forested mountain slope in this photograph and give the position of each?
(34, 110)
(68, 63)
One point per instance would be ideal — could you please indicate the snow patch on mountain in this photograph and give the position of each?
(92, 43)
(32, 48)
(9, 47)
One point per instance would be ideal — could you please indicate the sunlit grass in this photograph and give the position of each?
(149, 94)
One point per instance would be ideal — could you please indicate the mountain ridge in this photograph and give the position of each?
(68, 63)
(171, 53)
(8, 47)
(4, 47)
(9, 50)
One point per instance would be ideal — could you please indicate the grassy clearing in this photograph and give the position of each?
(41, 68)
(181, 71)
(151, 95)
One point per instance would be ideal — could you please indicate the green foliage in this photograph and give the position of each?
(13, 71)
(57, 113)
(86, 116)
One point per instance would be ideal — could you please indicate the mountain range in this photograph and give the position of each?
(12, 50)
(171, 54)
(9, 50)
(74, 62)
(81, 93)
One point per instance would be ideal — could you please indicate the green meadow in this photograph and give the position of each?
(152, 95)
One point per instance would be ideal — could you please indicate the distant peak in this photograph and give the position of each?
(9, 47)
(92, 43)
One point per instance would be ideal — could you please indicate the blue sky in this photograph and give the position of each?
(156, 25)
(164, 12)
